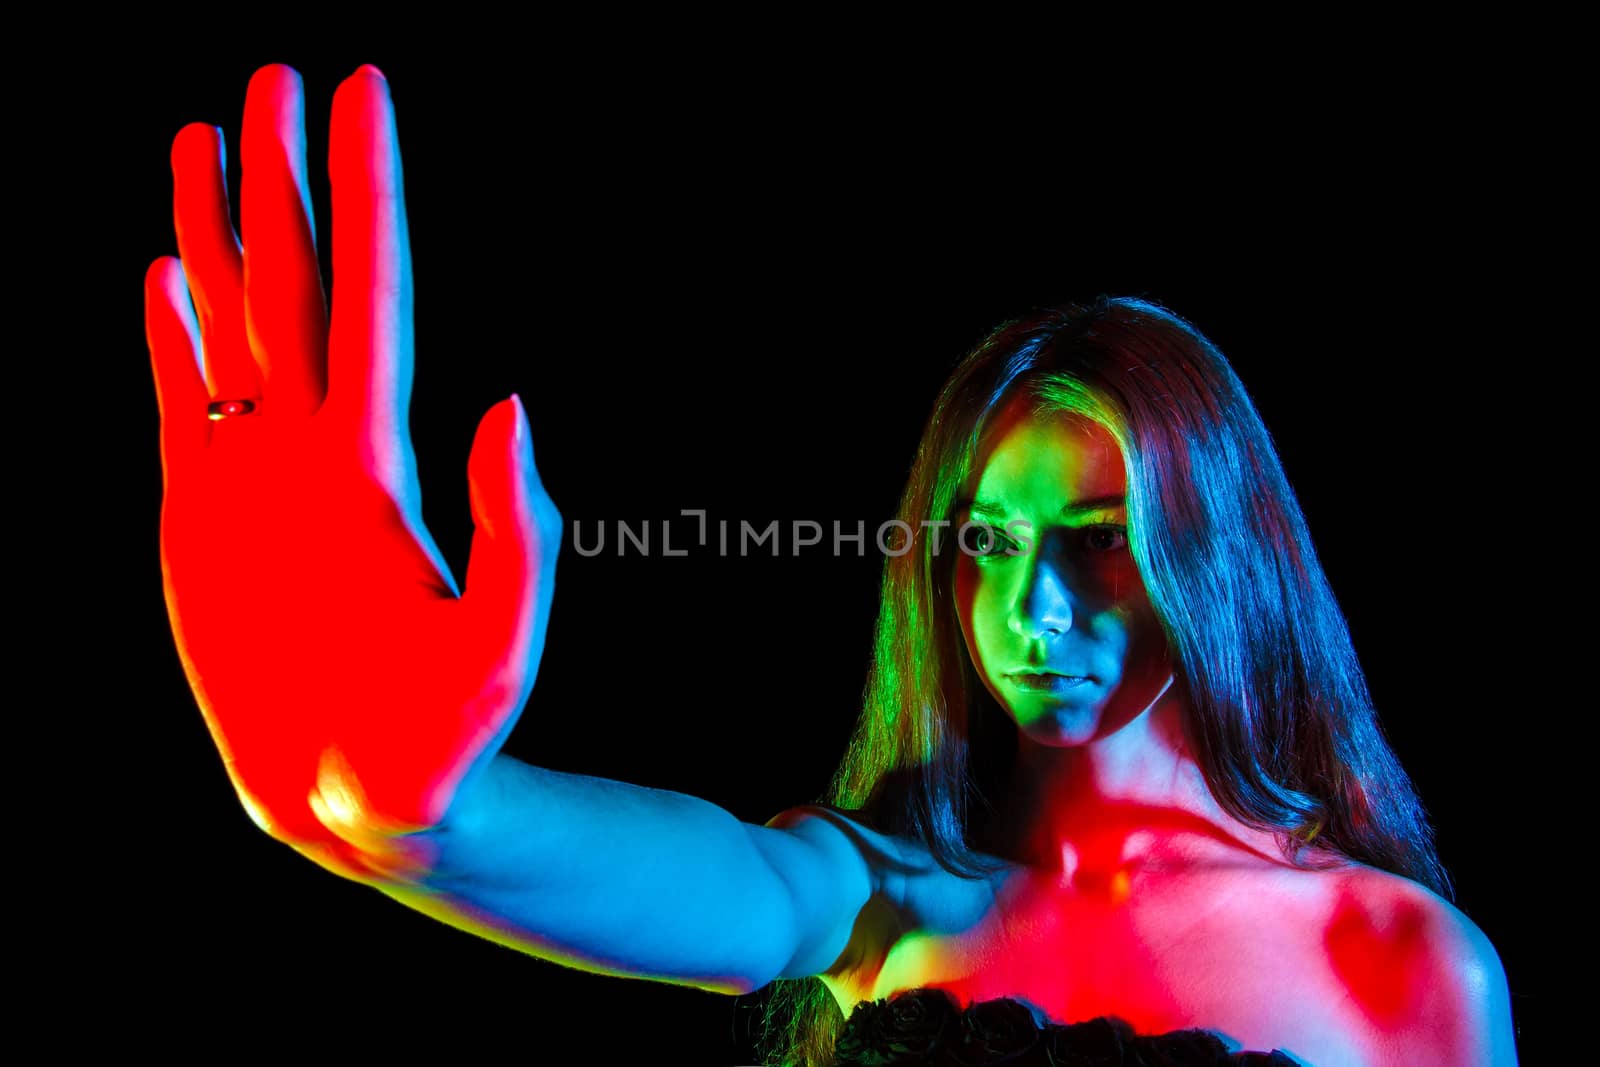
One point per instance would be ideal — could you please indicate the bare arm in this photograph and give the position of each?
(359, 696)
(626, 880)
(640, 882)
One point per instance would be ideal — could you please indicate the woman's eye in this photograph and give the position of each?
(1105, 538)
(987, 542)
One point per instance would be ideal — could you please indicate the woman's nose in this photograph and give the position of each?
(1044, 606)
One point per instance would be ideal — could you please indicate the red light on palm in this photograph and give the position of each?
(349, 686)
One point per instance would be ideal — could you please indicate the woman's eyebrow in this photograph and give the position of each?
(987, 510)
(1099, 503)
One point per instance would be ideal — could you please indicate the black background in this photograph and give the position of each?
(737, 286)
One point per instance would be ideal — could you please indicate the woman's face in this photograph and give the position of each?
(1054, 613)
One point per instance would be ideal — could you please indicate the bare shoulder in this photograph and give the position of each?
(1424, 977)
(901, 871)
(845, 880)
(846, 836)
(896, 887)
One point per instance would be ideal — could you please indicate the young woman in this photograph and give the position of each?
(1117, 758)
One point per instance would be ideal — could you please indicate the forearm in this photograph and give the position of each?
(608, 877)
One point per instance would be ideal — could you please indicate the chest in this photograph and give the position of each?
(1241, 954)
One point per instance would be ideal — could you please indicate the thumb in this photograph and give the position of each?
(517, 529)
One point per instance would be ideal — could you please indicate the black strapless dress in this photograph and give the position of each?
(927, 1027)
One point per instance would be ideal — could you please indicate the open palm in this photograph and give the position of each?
(347, 683)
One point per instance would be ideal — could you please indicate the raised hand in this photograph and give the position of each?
(349, 686)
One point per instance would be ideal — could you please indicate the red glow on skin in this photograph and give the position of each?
(1161, 921)
(1382, 956)
(1126, 927)
(348, 685)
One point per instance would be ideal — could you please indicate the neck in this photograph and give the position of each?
(1132, 798)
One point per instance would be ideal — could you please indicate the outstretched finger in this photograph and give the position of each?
(174, 339)
(211, 259)
(285, 312)
(370, 342)
(516, 538)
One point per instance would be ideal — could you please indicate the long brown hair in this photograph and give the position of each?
(1281, 721)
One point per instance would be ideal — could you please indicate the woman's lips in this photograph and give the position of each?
(1047, 682)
